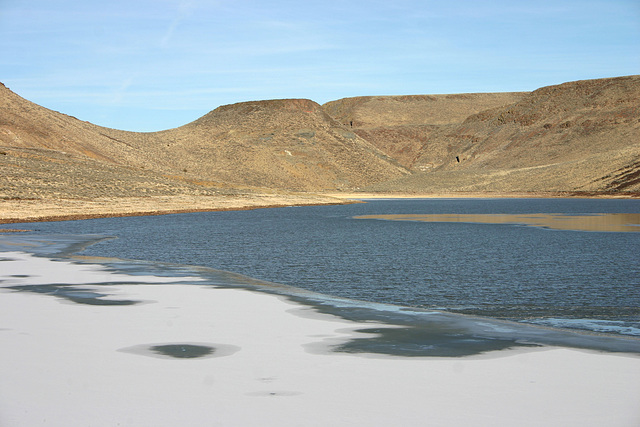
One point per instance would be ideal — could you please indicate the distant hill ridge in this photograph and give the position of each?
(386, 111)
(577, 136)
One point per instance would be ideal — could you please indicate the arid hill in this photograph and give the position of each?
(46, 154)
(289, 144)
(575, 137)
(389, 111)
(403, 126)
(280, 144)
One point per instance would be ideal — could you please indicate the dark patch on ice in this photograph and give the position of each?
(182, 350)
(428, 333)
(74, 294)
(424, 341)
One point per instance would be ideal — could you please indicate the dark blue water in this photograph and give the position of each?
(580, 279)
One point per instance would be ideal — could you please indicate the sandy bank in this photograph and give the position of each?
(68, 363)
(15, 211)
(479, 195)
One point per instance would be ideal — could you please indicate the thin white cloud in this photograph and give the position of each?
(120, 92)
(184, 10)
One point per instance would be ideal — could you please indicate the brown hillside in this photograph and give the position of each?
(578, 136)
(25, 125)
(403, 126)
(287, 144)
(44, 153)
(389, 111)
(557, 124)
(281, 144)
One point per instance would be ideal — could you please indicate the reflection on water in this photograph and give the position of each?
(627, 222)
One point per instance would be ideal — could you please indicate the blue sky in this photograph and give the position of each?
(146, 65)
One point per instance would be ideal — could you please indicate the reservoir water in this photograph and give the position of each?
(499, 258)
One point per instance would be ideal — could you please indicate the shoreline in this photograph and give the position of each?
(484, 195)
(46, 210)
(14, 211)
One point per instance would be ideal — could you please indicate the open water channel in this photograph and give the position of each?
(499, 258)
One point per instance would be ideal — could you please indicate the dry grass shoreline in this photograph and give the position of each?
(21, 211)
(42, 210)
